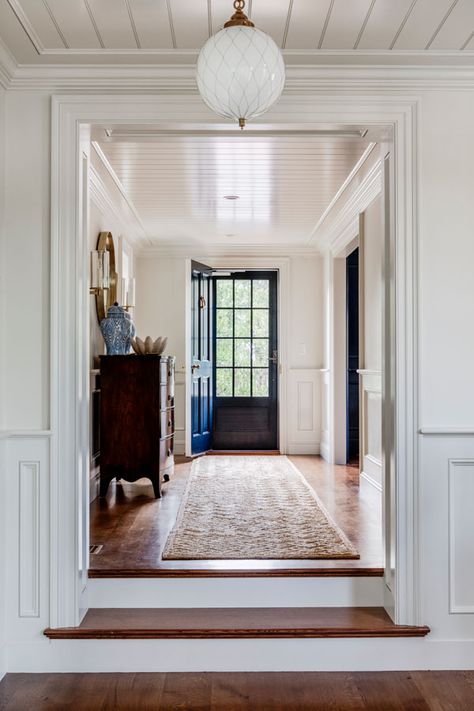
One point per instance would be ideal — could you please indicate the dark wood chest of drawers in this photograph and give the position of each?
(136, 419)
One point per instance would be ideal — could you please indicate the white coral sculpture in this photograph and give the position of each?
(149, 346)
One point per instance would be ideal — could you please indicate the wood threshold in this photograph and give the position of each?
(235, 623)
(244, 452)
(236, 573)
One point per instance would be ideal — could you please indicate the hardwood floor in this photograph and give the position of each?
(235, 623)
(132, 528)
(344, 691)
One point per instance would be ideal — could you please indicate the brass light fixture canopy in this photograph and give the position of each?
(239, 18)
(240, 69)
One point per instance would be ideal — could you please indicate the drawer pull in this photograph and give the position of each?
(169, 423)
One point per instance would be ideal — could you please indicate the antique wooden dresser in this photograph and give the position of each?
(136, 419)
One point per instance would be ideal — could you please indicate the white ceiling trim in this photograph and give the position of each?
(108, 79)
(181, 251)
(8, 66)
(341, 190)
(118, 183)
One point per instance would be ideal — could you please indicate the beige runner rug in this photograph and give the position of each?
(252, 507)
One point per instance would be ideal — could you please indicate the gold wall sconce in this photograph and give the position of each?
(103, 275)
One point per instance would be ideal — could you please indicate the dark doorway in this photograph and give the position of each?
(352, 300)
(245, 361)
(201, 353)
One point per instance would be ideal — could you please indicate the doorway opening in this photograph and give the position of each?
(234, 360)
(399, 444)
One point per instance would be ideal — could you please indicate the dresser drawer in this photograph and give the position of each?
(166, 423)
(166, 453)
(166, 397)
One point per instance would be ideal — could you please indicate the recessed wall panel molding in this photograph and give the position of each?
(371, 427)
(29, 539)
(304, 411)
(461, 536)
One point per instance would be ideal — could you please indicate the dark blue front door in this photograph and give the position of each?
(352, 284)
(201, 360)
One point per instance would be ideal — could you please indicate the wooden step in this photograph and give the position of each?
(238, 623)
(222, 572)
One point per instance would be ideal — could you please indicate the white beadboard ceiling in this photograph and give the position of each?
(177, 186)
(94, 30)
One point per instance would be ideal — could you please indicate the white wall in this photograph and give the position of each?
(446, 338)
(371, 256)
(161, 312)
(27, 254)
(3, 482)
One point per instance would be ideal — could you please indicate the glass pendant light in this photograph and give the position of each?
(240, 70)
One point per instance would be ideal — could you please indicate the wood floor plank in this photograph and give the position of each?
(340, 691)
(198, 623)
(133, 528)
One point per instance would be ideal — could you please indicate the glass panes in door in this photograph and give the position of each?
(242, 337)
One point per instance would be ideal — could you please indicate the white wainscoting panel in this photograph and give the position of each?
(29, 550)
(304, 411)
(27, 535)
(325, 435)
(371, 427)
(461, 536)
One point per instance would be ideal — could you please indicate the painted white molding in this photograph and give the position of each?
(97, 183)
(461, 529)
(101, 197)
(7, 66)
(228, 251)
(371, 427)
(341, 190)
(304, 411)
(29, 538)
(68, 112)
(345, 227)
(245, 655)
(25, 434)
(164, 73)
(445, 431)
(235, 592)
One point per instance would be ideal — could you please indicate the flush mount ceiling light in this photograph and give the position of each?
(231, 197)
(240, 70)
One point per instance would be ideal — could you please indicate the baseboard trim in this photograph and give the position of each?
(324, 451)
(3, 661)
(303, 449)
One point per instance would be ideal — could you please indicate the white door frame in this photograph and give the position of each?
(281, 264)
(69, 297)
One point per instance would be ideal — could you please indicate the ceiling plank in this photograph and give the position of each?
(76, 23)
(113, 23)
(306, 24)
(456, 28)
(152, 24)
(385, 20)
(420, 26)
(35, 14)
(345, 24)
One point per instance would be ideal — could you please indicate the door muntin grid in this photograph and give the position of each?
(243, 337)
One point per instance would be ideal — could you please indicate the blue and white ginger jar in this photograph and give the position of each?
(118, 330)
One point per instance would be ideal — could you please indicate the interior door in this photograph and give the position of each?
(245, 361)
(201, 358)
(352, 384)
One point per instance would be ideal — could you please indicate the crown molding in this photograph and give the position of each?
(101, 197)
(346, 225)
(172, 78)
(186, 251)
(8, 66)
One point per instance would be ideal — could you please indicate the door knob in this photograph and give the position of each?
(274, 358)
(195, 366)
